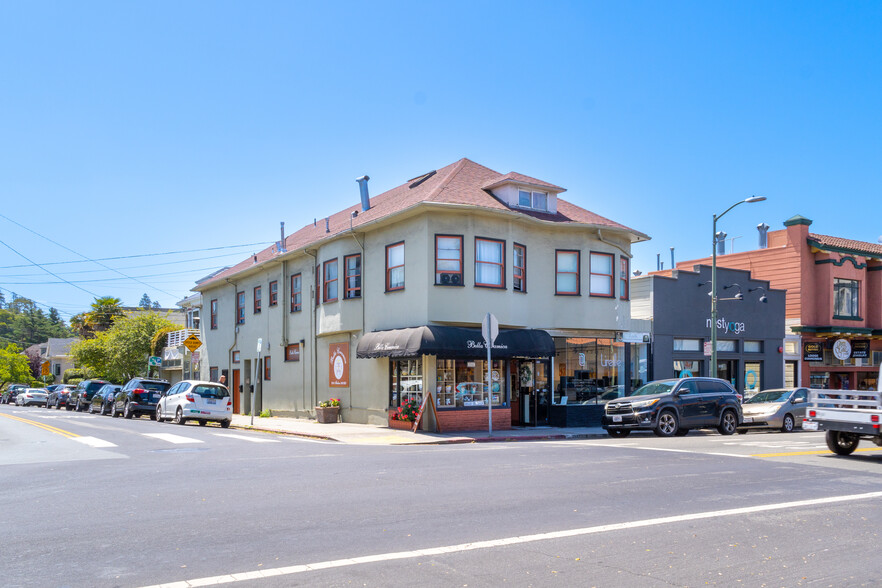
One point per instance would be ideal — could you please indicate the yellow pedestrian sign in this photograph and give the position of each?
(46, 369)
(192, 343)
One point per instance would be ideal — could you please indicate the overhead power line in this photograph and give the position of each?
(46, 270)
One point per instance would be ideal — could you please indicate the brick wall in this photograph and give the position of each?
(473, 420)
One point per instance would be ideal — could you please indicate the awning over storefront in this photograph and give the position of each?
(454, 343)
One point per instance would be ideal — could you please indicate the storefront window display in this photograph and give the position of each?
(406, 381)
(462, 383)
(589, 368)
(687, 369)
(753, 380)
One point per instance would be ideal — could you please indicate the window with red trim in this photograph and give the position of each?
(274, 293)
(352, 267)
(601, 282)
(566, 271)
(257, 299)
(329, 281)
(489, 263)
(296, 292)
(240, 308)
(448, 260)
(624, 278)
(213, 311)
(267, 373)
(395, 267)
(519, 268)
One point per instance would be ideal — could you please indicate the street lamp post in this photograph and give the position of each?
(713, 366)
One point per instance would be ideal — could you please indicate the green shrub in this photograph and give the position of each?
(266, 413)
(73, 373)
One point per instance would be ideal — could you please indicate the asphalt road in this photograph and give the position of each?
(94, 501)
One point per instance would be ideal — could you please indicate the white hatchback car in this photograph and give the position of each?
(198, 401)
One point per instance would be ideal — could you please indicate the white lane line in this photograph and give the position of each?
(168, 437)
(434, 551)
(94, 442)
(246, 438)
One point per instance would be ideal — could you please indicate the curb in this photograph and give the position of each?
(283, 432)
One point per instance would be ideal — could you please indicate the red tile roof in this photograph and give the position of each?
(460, 183)
(826, 241)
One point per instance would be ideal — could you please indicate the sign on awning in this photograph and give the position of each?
(454, 342)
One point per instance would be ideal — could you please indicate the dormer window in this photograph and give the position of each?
(532, 199)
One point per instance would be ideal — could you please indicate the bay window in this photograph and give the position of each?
(601, 281)
(395, 267)
(519, 264)
(489, 263)
(352, 267)
(566, 269)
(448, 260)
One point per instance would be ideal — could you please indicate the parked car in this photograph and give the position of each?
(196, 400)
(11, 392)
(103, 398)
(673, 407)
(59, 396)
(31, 397)
(782, 409)
(81, 396)
(139, 396)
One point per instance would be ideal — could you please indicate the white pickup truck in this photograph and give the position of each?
(847, 415)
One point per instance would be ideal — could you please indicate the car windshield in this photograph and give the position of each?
(660, 387)
(769, 396)
(211, 391)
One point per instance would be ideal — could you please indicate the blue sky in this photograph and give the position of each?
(140, 128)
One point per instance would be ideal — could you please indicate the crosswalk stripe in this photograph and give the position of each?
(94, 442)
(246, 438)
(170, 438)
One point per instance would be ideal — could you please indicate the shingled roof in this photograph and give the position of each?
(461, 183)
(828, 243)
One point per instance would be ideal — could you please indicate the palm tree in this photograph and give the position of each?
(104, 310)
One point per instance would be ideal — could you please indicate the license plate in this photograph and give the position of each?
(748, 419)
(617, 418)
(809, 426)
(212, 401)
(154, 396)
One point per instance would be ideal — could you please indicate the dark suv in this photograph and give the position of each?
(81, 396)
(673, 407)
(139, 396)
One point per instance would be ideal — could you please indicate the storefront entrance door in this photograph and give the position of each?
(530, 392)
(727, 369)
(235, 392)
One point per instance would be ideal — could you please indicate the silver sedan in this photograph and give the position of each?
(782, 409)
(35, 396)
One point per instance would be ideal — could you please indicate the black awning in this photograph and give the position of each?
(454, 343)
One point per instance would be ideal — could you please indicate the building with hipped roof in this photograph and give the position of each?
(382, 302)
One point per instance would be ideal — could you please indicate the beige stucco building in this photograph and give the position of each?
(417, 264)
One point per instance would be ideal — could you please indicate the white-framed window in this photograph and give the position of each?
(528, 198)
(566, 271)
(601, 282)
(489, 263)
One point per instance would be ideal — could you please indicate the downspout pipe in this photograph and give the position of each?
(313, 388)
(235, 286)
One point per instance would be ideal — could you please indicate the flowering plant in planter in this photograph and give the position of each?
(333, 402)
(407, 411)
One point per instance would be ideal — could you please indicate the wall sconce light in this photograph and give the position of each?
(763, 298)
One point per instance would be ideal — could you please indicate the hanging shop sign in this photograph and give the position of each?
(860, 349)
(338, 365)
(842, 349)
(812, 351)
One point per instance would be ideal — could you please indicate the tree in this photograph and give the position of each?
(145, 301)
(121, 352)
(156, 304)
(13, 365)
(35, 363)
(22, 323)
(104, 311)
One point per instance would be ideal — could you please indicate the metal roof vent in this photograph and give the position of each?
(363, 190)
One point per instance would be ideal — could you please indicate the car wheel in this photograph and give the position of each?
(127, 411)
(788, 425)
(113, 412)
(158, 416)
(615, 433)
(68, 407)
(225, 424)
(179, 417)
(842, 443)
(728, 423)
(682, 432)
(667, 424)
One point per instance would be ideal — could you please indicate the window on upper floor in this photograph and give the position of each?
(566, 270)
(240, 308)
(395, 267)
(213, 312)
(528, 198)
(448, 260)
(601, 282)
(624, 278)
(846, 298)
(329, 281)
(274, 293)
(296, 292)
(257, 299)
(519, 268)
(489, 263)
(352, 265)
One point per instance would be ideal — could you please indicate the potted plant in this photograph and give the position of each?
(404, 416)
(328, 411)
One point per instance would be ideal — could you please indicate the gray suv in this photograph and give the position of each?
(673, 407)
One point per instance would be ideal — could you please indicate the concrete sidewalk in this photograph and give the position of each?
(356, 434)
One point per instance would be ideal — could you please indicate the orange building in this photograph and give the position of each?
(833, 310)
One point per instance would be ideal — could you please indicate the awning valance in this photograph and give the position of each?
(454, 343)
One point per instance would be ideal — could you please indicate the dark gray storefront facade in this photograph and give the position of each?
(750, 326)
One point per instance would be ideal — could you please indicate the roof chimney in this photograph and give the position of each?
(672, 258)
(281, 247)
(363, 189)
(328, 224)
(721, 242)
(763, 229)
